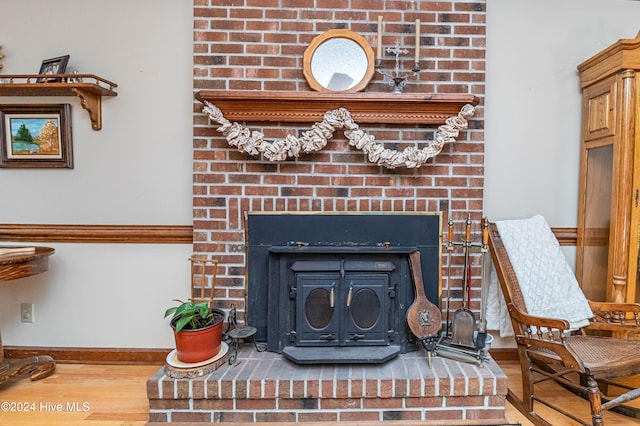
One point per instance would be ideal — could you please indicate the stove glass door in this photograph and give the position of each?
(332, 310)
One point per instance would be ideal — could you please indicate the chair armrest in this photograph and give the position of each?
(545, 345)
(539, 322)
(616, 313)
(614, 307)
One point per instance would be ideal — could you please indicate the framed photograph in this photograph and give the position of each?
(36, 136)
(53, 66)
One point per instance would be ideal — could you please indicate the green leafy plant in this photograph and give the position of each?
(191, 316)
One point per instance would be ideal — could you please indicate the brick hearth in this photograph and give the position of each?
(265, 387)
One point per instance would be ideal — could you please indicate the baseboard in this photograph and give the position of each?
(142, 355)
(504, 354)
(91, 355)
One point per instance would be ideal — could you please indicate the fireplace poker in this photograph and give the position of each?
(486, 271)
(449, 258)
(468, 286)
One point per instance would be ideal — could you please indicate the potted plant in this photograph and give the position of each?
(197, 330)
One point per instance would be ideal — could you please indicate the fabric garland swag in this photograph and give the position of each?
(315, 139)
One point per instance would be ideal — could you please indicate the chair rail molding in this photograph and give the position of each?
(119, 234)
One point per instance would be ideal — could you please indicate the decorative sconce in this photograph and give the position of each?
(396, 78)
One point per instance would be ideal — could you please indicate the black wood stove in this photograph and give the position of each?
(330, 288)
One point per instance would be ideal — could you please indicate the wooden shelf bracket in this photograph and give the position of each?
(93, 104)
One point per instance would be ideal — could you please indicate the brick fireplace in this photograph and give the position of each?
(258, 45)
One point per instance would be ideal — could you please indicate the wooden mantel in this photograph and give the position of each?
(308, 107)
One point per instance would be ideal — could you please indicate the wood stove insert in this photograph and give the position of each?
(334, 288)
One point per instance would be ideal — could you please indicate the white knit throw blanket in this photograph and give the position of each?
(548, 284)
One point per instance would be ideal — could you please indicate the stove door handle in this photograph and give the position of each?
(328, 336)
(332, 296)
(349, 295)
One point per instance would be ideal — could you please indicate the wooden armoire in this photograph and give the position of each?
(608, 213)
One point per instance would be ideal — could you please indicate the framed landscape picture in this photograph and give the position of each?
(36, 136)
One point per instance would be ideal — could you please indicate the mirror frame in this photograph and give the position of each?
(338, 33)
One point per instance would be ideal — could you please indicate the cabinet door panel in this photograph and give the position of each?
(594, 236)
(599, 110)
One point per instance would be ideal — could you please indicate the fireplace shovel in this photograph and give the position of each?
(423, 317)
(464, 322)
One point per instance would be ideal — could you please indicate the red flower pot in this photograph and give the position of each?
(202, 344)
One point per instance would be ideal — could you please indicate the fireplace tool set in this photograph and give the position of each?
(463, 339)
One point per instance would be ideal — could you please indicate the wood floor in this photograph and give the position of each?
(115, 395)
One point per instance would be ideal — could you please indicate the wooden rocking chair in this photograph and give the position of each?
(549, 350)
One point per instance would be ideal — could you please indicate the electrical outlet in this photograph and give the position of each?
(26, 312)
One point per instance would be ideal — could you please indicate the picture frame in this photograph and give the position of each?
(36, 136)
(53, 66)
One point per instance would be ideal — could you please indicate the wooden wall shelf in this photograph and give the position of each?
(88, 87)
(308, 107)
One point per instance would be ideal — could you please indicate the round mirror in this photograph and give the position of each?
(338, 61)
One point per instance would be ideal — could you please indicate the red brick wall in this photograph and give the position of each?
(259, 45)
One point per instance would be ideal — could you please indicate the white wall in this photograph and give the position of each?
(136, 170)
(533, 100)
